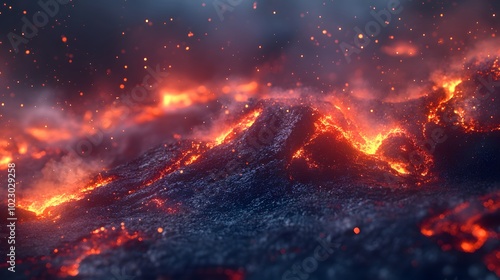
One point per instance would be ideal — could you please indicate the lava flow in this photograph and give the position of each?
(384, 150)
(99, 241)
(41, 206)
(244, 140)
(468, 227)
(192, 154)
(469, 102)
(159, 201)
(245, 123)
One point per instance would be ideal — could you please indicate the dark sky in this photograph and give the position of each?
(283, 39)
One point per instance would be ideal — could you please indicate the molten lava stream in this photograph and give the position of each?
(469, 228)
(191, 155)
(245, 123)
(463, 105)
(100, 240)
(42, 206)
(185, 159)
(367, 145)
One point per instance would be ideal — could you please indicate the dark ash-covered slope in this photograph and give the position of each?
(246, 209)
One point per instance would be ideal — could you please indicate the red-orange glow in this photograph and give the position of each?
(186, 158)
(226, 89)
(450, 86)
(177, 100)
(245, 123)
(459, 106)
(148, 114)
(190, 156)
(401, 49)
(356, 230)
(5, 154)
(160, 204)
(242, 92)
(427, 232)
(107, 118)
(492, 262)
(369, 145)
(22, 148)
(480, 235)
(234, 274)
(100, 240)
(172, 99)
(250, 87)
(41, 205)
(192, 159)
(301, 153)
(399, 167)
(38, 155)
(366, 144)
(157, 202)
(4, 160)
(49, 134)
(464, 225)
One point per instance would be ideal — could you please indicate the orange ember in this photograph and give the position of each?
(301, 153)
(399, 167)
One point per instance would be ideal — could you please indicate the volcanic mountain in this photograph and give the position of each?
(259, 201)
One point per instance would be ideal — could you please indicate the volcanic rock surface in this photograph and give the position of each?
(250, 208)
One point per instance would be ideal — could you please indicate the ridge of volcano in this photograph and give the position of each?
(255, 202)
